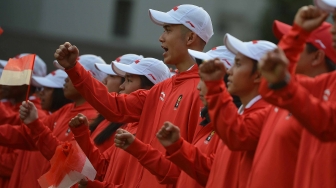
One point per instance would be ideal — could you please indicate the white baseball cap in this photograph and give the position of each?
(193, 17)
(155, 70)
(220, 52)
(40, 68)
(88, 61)
(326, 5)
(125, 59)
(55, 79)
(255, 49)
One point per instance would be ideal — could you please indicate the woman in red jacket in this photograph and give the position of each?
(110, 165)
(56, 124)
(102, 130)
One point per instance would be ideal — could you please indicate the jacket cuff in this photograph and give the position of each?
(215, 87)
(76, 73)
(79, 131)
(137, 149)
(170, 150)
(36, 127)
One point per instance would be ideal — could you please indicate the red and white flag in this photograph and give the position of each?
(68, 166)
(18, 71)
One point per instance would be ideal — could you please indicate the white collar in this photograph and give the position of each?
(191, 67)
(254, 100)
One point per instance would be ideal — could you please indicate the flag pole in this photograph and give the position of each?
(28, 90)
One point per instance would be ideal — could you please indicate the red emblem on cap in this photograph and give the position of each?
(53, 73)
(214, 48)
(136, 61)
(118, 59)
(152, 76)
(227, 62)
(254, 41)
(192, 25)
(175, 8)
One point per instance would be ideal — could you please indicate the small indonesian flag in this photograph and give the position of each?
(18, 71)
(68, 166)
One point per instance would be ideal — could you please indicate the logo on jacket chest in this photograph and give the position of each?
(207, 140)
(67, 132)
(178, 101)
(162, 96)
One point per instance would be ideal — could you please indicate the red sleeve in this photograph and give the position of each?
(239, 132)
(98, 160)
(299, 36)
(45, 141)
(104, 184)
(16, 136)
(316, 115)
(156, 163)
(7, 162)
(8, 115)
(115, 108)
(191, 160)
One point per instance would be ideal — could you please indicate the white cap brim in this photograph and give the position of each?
(107, 69)
(44, 82)
(326, 5)
(57, 65)
(122, 69)
(235, 45)
(161, 18)
(199, 55)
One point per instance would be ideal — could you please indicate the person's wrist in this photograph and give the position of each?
(280, 84)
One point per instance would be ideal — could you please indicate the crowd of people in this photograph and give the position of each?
(242, 115)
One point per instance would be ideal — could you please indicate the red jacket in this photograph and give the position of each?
(277, 152)
(195, 160)
(107, 143)
(111, 165)
(39, 137)
(307, 100)
(175, 99)
(10, 159)
(233, 159)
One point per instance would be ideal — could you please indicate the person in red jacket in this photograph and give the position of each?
(311, 102)
(273, 133)
(52, 99)
(231, 165)
(110, 165)
(318, 56)
(175, 99)
(9, 109)
(27, 138)
(102, 130)
(195, 159)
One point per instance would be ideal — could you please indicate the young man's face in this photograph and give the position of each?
(241, 78)
(69, 90)
(132, 83)
(304, 65)
(202, 91)
(46, 96)
(112, 83)
(173, 41)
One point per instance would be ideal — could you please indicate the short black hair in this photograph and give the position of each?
(145, 82)
(58, 99)
(331, 66)
(255, 66)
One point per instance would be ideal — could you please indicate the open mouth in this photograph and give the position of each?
(164, 48)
